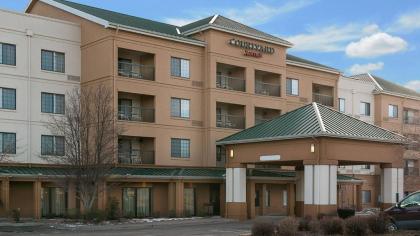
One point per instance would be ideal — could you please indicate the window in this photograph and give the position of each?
(180, 148)
(292, 87)
(392, 111)
(257, 198)
(52, 145)
(52, 61)
(220, 153)
(411, 201)
(7, 98)
(7, 143)
(366, 167)
(7, 54)
(136, 202)
(365, 108)
(267, 198)
(366, 196)
(180, 108)
(53, 201)
(180, 67)
(52, 103)
(342, 104)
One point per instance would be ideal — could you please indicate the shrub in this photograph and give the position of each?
(331, 225)
(112, 211)
(345, 213)
(94, 215)
(262, 228)
(304, 223)
(287, 227)
(378, 223)
(73, 214)
(356, 225)
(16, 215)
(314, 227)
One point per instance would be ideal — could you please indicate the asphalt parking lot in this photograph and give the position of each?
(197, 226)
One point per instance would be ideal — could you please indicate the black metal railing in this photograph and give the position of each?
(260, 120)
(136, 113)
(230, 83)
(137, 71)
(267, 89)
(230, 121)
(411, 120)
(323, 99)
(136, 157)
(411, 171)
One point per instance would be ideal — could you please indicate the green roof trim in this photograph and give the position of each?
(313, 120)
(308, 62)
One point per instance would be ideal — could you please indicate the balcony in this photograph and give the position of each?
(136, 107)
(411, 171)
(323, 94)
(136, 150)
(265, 114)
(230, 77)
(230, 116)
(267, 83)
(137, 65)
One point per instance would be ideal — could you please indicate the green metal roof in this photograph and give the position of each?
(308, 62)
(313, 120)
(395, 88)
(221, 22)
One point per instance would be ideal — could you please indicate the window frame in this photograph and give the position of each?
(2, 54)
(2, 143)
(342, 101)
(54, 66)
(365, 109)
(290, 93)
(54, 151)
(180, 104)
(363, 196)
(181, 153)
(2, 99)
(54, 103)
(180, 63)
(394, 112)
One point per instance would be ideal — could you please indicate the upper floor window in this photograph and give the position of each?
(292, 87)
(180, 67)
(52, 103)
(8, 98)
(52, 145)
(7, 143)
(342, 104)
(52, 61)
(7, 54)
(365, 108)
(180, 107)
(180, 148)
(392, 111)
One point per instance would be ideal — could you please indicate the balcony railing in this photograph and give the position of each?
(260, 120)
(323, 99)
(411, 171)
(267, 89)
(136, 157)
(230, 121)
(136, 114)
(230, 83)
(137, 71)
(411, 120)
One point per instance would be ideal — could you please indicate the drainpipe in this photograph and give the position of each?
(29, 35)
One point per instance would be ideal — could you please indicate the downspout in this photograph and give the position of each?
(29, 35)
(114, 90)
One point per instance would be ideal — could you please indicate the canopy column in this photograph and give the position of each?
(236, 207)
(392, 186)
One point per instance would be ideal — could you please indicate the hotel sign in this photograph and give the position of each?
(251, 49)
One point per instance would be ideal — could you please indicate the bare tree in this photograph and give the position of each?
(89, 137)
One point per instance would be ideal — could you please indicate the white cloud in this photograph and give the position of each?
(377, 44)
(331, 38)
(256, 14)
(407, 22)
(413, 84)
(365, 68)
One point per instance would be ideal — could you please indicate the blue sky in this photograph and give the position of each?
(382, 37)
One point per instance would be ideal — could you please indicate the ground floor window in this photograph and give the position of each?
(53, 202)
(136, 202)
(189, 201)
(366, 196)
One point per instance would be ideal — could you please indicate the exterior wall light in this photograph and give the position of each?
(312, 147)
(231, 153)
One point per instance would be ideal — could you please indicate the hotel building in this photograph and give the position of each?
(177, 91)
